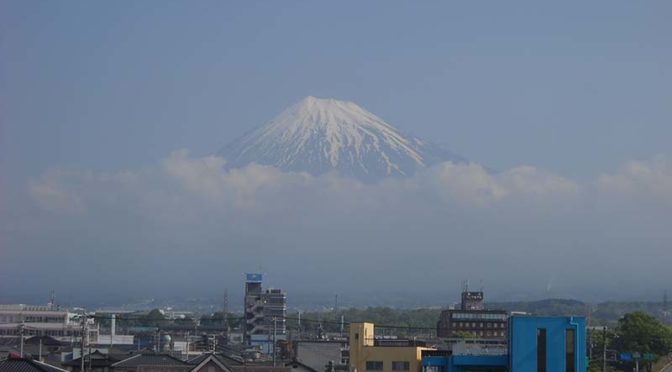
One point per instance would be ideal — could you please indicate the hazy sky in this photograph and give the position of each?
(96, 98)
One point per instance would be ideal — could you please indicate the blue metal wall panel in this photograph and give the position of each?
(523, 343)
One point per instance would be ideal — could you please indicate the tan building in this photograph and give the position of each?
(369, 354)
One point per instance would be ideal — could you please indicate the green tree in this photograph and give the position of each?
(155, 318)
(463, 334)
(641, 332)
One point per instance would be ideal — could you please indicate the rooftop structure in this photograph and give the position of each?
(472, 320)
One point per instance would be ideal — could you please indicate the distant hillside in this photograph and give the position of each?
(426, 318)
(550, 307)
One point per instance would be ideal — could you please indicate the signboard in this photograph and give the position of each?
(253, 277)
(626, 357)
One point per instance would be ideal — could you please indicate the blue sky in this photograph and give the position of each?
(574, 87)
(97, 97)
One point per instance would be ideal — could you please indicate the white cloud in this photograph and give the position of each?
(196, 215)
(638, 180)
(53, 194)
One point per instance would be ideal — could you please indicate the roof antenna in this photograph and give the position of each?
(52, 299)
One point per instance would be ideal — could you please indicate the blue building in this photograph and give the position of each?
(535, 344)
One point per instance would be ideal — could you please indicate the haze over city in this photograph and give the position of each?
(373, 148)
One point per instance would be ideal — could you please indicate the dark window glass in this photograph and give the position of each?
(570, 345)
(374, 365)
(401, 366)
(541, 350)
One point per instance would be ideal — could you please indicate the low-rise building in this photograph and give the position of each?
(18, 364)
(368, 354)
(31, 320)
(535, 344)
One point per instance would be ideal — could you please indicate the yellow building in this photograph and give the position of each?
(370, 355)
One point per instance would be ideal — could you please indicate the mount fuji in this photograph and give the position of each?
(323, 135)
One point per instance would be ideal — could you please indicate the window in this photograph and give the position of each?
(401, 366)
(541, 350)
(570, 342)
(374, 365)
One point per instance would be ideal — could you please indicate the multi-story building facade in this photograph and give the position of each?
(31, 320)
(471, 319)
(265, 313)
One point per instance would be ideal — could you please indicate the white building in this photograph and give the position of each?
(42, 321)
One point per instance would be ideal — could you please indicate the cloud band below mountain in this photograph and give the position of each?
(186, 221)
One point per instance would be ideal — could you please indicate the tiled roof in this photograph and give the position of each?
(46, 341)
(96, 358)
(26, 365)
(150, 360)
(207, 358)
(225, 359)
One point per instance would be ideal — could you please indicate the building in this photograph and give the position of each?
(95, 361)
(265, 314)
(535, 344)
(316, 354)
(254, 307)
(211, 364)
(371, 354)
(151, 362)
(31, 320)
(547, 344)
(17, 364)
(472, 319)
(235, 364)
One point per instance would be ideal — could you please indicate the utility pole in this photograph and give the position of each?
(39, 353)
(113, 332)
(21, 328)
(84, 331)
(187, 358)
(604, 349)
(275, 326)
(342, 319)
(88, 355)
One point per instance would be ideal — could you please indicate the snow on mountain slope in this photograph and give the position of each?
(321, 135)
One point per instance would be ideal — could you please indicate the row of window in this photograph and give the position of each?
(487, 316)
(478, 325)
(396, 366)
(31, 319)
(35, 332)
(488, 333)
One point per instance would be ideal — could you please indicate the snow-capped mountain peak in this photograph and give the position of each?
(319, 135)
